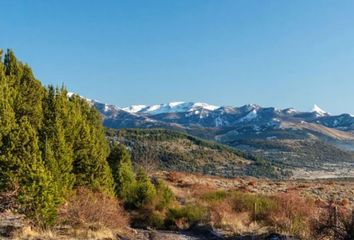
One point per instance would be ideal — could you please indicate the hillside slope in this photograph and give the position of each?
(171, 150)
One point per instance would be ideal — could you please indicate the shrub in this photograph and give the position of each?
(259, 205)
(293, 214)
(335, 223)
(164, 196)
(156, 220)
(186, 216)
(216, 196)
(143, 192)
(86, 208)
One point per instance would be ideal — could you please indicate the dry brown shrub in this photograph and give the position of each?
(252, 183)
(345, 202)
(320, 203)
(198, 190)
(222, 215)
(86, 208)
(174, 177)
(243, 188)
(293, 215)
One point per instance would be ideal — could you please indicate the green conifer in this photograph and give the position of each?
(122, 170)
(38, 197)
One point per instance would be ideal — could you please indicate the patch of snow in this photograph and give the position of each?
(173, 107)
(250, 116)
(106, 108)
(134, 108)
(290, 110)
(316, 109)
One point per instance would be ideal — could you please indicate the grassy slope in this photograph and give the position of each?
(166, 149)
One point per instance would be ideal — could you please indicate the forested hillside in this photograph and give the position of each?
(49, 143)
(172, 150)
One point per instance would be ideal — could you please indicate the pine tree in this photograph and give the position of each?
(90, 149)
(11, 64)
(7, 124)
(28, 101)
(122, 170)
(38, 196)
(13, 73)
(144, 191)
(57, 153)
(49, 143)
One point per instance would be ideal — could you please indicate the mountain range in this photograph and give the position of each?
(313, 140)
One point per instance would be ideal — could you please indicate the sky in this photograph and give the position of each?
(223, 52)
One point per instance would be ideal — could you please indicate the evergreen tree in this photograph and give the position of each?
(28, 101)
(11, 64)
(59, 162)
(90, 149)
(49, 143)
(38, 196)
(122, 170)
(13, 72)
(7, 124)
(144, 191)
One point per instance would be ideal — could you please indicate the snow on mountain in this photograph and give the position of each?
(316, 109)
(173, 107)
(134, 108)
(250, 116)
(290, 110)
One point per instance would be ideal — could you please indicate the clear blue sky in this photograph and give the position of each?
(224, 52)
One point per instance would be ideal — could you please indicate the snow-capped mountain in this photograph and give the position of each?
(173, 107)
(228, 123)
(296, 138)
(317, 110)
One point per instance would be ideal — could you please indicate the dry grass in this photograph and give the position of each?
(242, 212)
(92, 210)
(72, 234)
(293, 215)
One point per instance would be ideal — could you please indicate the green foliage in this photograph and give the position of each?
(216, 196)
(173, 150)
(90, 149)
(143, 192)
(38, 195)
(190, 214)
(122, 171)
(156, 220)
(137, 190)
(260, 205)
(164, 196)
(49, 143)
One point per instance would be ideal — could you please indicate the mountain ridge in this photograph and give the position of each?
(314, 140)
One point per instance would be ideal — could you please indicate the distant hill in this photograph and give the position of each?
(172, 150)
(309, 140)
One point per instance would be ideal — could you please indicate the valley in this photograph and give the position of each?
(291, 141)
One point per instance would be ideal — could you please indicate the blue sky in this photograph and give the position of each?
(224, 52)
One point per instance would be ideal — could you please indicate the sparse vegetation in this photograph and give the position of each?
(58, 169)
(91, 209)
(172, 150)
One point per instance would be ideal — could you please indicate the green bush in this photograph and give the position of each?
(156, 220)
(143, 192)
(188, 215)
(216, 196)
(164, 196)
(260, 205)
